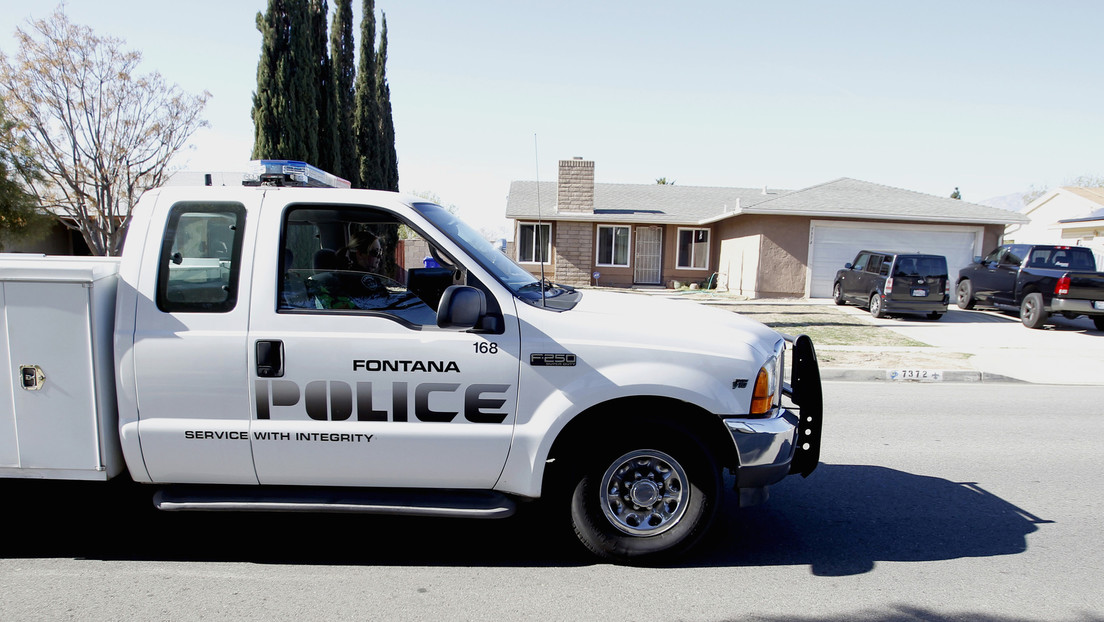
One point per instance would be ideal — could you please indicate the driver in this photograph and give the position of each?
(365, 252)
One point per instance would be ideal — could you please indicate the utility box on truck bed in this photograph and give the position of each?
(60, 418)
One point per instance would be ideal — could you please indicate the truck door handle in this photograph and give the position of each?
(270, 358)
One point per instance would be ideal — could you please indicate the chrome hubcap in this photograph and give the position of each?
(644, 493)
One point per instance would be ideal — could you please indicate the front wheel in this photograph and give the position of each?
(934, 315)
(1032, 313)
(837, 294)
(646, 503)
(1098, 320)
(964, 295)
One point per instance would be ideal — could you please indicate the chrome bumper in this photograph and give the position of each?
(789, 442)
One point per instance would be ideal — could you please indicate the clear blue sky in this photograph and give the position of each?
(990, 96)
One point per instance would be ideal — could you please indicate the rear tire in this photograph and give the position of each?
(876, 307)
(648, 499)
(964, 295)
(1032, 313)
(837, 294)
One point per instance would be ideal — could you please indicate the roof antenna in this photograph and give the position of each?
(540, 225)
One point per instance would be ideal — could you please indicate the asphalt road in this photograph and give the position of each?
(933, 502)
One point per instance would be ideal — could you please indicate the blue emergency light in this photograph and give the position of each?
(290, 173)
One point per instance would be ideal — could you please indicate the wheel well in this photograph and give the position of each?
(588, 428)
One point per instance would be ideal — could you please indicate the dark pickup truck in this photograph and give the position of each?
(1038, 281)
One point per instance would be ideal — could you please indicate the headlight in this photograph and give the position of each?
(766, 394)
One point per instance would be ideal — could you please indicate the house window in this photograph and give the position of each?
(693, 249)
(613, 246)
(534, 242)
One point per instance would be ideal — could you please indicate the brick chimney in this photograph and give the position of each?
(575, 187)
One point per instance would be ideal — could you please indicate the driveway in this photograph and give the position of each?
(1070, 352)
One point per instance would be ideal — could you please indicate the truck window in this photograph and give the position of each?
(200, 258)
(860, 262)
(1015, 254)
(359, 261)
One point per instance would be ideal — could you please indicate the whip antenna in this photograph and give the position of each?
(540, 224)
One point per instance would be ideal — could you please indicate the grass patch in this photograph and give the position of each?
(826, 325)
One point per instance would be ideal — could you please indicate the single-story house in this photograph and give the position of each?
(1066, 215)
(757, 242)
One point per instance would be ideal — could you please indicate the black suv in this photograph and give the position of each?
(888, 282)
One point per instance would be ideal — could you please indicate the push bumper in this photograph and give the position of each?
(788, 442)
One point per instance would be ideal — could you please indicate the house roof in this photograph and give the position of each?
(853, 198)
(645, 203)
(663, 204)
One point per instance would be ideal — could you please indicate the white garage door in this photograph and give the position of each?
(832, 244)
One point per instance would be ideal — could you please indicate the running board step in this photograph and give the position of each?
(403, 502)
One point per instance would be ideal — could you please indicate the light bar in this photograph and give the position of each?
(290, 173)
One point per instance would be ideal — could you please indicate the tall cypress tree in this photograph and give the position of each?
(270, 98)
(389, 160)
(343, 56)
(325, 94)
(303, 113)
(367, 107)
(285, 111)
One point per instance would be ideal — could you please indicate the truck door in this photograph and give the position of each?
(1005, 274)
(189, 353)
(983, 276)
(353, 383)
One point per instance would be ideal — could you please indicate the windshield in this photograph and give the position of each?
(495, 261)
(520, 282)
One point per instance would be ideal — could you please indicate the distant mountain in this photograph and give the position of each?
(1010, 202)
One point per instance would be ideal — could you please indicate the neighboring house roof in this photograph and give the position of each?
(1097, 215)
(1096, 195)
(852, 198)
(663, 204)
(645, 203)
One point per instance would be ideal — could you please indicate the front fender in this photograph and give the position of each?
(546, 409)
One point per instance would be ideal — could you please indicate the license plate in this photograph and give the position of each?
(919, 291)
(1098, 305)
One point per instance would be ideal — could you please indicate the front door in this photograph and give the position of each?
(353, 383)
(649, 256)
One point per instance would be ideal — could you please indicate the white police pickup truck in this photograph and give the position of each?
(271, 347)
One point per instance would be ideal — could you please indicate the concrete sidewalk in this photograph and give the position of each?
(966, 346)
(1000, 348)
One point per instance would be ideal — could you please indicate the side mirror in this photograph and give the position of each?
(977, 258)
(461, 308)
(847, 266)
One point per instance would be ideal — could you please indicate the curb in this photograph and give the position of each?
(884, 375)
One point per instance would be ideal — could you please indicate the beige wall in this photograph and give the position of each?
(764, 256)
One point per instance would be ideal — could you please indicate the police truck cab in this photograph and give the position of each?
(275, 346)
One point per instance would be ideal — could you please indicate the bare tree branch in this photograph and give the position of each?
(91, 135)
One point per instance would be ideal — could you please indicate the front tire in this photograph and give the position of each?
(1098, 321)
(964, 295)
(651, 499)
(1032, 313)
(837, 294)
(934, 315)
(876, 307)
